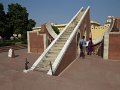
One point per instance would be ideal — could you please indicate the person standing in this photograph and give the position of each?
(82, 47)
(89, 48)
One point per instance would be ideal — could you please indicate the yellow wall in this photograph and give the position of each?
(98, 31)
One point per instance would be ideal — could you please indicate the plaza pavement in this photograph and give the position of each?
(91, 73)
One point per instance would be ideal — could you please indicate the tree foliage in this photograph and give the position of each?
(2, 20)
(31, 24)
(17, 21)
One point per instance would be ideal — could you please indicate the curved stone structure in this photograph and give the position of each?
(99, 31)
(51, 31)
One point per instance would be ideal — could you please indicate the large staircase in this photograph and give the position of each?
(55, 50)
(52, 56)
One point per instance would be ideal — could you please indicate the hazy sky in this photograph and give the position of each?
(61, 11)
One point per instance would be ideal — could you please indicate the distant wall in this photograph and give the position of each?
(106, 26)
(114, 41)
(114, 46)
(36, 42)
(116, 27)
(59, 26)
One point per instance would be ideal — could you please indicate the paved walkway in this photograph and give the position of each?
(17, 63)
(91, 73)
(94, 73)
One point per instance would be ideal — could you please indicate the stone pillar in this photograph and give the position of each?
(28, 41)
(11, 53)
(106, 46)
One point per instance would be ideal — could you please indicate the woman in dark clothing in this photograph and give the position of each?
(90, 49)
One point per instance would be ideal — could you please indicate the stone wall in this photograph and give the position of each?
(69, 56)
(116, 27)
(38, 41)
(114, 41)
(114, 46)
(85, 27)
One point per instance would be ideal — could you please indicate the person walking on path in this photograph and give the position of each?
(82, 47)
(89, 48)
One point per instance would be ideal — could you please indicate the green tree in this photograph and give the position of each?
(8, 27)
(31, 24)
(2, 20)
(17, 17)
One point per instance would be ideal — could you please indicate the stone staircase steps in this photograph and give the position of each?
(52, 54)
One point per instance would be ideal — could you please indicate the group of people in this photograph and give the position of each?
(85, 46)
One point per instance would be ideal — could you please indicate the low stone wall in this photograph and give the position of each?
(114, 46)
(36, 42)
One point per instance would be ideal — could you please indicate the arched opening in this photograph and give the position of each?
(78, 36)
